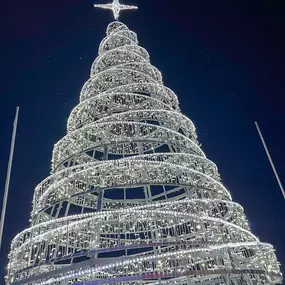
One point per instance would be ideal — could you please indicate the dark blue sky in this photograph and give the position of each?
(224, 59)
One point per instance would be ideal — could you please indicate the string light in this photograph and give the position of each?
(116, 7)
(131, 193)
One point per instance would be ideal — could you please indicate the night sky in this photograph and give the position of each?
(224, 59)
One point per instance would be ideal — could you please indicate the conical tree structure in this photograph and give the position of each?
(132, 198)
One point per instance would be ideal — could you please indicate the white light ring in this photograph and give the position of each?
(64, 148)
(175, 255)
(157, 115)
(159, 157)
(43, 204)
(128, 210)
(125, 35)
(146, 274)
(113, 27)
(57, 177)
(138, 52)
(136, 49)
(152, 71)
(85, 108)
(171, 278)
(171, 117)
(25, 247)
(166, 92)
(114, 165)
(109, 40)
(99, 219)
(129, 75)
(137, 202)
(152, 142)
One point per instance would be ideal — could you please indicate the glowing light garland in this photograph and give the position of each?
(132, 198)
(116, 7)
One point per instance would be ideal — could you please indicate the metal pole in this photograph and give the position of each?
(270, 160)
(7, 184)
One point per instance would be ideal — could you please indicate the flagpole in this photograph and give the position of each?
(7, 184)
(270, 159)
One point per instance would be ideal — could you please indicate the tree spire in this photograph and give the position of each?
(116, 7)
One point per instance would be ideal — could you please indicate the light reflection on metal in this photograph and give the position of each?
(270, 159)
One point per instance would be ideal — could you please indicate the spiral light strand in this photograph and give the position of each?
(132, 198)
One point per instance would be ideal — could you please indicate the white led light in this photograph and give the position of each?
(171, 221)
(116, 7)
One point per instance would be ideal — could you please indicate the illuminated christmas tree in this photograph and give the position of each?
(132, 198)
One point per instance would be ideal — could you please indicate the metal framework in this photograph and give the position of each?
(132, 198)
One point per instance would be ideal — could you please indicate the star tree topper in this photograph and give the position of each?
(116, 7)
